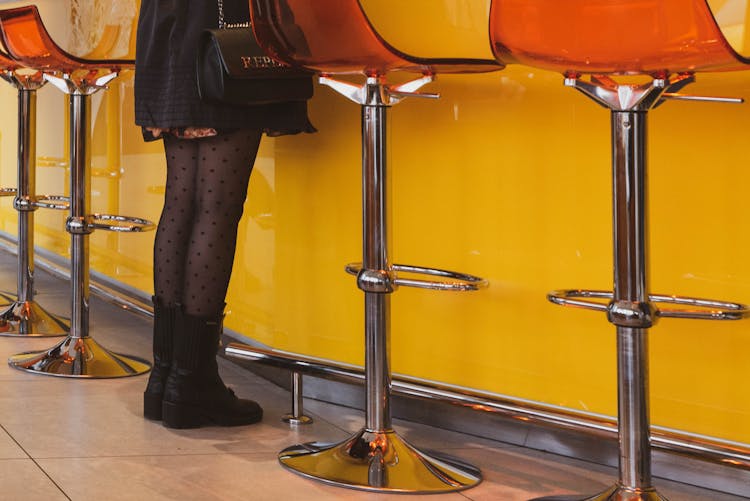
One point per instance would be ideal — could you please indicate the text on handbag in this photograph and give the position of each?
(259, 62)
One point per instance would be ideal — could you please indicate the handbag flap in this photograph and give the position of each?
(239, 53)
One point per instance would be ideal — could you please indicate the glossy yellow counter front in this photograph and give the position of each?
(507, 176)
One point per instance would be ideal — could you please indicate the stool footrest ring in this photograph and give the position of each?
(709, 309)
(456, 281)
(111, 222)
(8, 192)
(58, 202)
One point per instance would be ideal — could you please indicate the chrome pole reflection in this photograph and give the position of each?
(26, 189)
(80, 207)
(375, 252)
(631, 297)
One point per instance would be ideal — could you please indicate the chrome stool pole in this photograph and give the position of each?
(631, 308)
(376, 458)
(79, 355)
(24, 317)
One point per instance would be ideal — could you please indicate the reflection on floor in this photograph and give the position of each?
(86, 440)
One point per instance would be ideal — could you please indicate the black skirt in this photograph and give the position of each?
(166, 92)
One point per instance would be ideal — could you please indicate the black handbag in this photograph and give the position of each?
(233, 69)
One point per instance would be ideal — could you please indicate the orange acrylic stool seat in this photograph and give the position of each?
(336, 37)
(652, 37)
(598, 45)
(24, 316)
(28, 42)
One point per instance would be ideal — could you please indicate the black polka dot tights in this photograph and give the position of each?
(207, 182)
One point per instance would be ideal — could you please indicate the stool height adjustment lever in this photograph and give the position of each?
(710, 99)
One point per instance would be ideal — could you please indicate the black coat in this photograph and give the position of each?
(166, 93)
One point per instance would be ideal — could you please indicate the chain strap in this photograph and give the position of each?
(222, 23)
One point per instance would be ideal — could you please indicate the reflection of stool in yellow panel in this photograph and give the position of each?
(454, 28)
(336, 37)
(106, 43)
(24, 316)
(78, 355)
(667, 41)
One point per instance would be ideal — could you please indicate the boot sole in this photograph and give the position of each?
(152, 405)
(182, 416)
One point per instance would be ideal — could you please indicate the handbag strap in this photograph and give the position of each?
(222, 22)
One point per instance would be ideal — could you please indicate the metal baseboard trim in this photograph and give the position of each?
(683, 457)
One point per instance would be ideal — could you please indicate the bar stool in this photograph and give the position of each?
(78, 355)
(591, 42)
(333, 37)
(24, 316)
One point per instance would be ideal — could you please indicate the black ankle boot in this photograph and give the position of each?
(163, 334)
(194, 394)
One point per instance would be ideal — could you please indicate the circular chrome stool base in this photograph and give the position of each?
(379, 462)
(79, 357)
(615, 493)
(28, 319)
(296, 420)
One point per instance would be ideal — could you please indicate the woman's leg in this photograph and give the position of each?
(172, 233)
(177, 218)
(195, 394)
(224, 166)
